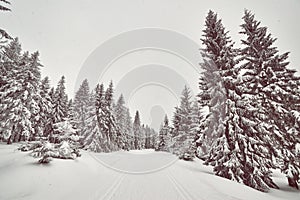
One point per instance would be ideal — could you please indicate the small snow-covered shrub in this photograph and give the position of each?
(64, 131)
(67, 152)
(45, 152)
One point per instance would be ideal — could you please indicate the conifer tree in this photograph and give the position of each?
(81, 102)
(271, 87)
(164, 136)
(44, 114)
(137, 131)
(183, 134)
(92, 133)
(123, 120)
(19, 100)
(237, 151)
(109, 127)
(60, 101)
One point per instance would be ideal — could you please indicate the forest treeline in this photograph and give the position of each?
(245, 120)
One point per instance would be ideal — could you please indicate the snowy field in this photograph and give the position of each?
(135, 175)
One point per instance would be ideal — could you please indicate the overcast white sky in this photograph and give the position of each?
(66, 31)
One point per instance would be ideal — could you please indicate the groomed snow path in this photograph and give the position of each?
(135, 175)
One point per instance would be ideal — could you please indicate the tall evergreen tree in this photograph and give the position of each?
(237, 153)
(110, 129)
(19, 93)
(183, 134)
(92, 132)
(218, 59)
(60, 102)
(44, 115)
(271, 86)
(164, 136)
(137, 131)
(81, 102)
(123, 121)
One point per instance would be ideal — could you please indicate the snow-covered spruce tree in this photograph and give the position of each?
(19, 93)
(137, 131)
(129, 130)
(43, 118)
(93, 138)
(164, 136)
(107, 137)
(123, 120)
(115, 138)
(60, 106)
(239, 152)
(183, 134)
(274, 90)
(9, 62)
(212, 92)
(81, 101)
(60, 101)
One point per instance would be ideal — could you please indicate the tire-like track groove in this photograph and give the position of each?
(113, 189)
(109, 194)
(180, 188)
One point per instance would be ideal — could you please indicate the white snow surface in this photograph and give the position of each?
(137, 175)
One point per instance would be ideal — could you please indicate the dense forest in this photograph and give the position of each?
(245, 120)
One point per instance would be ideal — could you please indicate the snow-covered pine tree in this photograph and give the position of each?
(93, 138)
(123, 121)
(164, 136)
(120, 112)
(115, 137)
(44, 115)
(182, 134)
(60, 106)
(238, 153)
(212, 92)
(60, 101)
(137, 131)
(10, 60)
(129, 130)
(271, 85)
(19, 93)
(81, 101)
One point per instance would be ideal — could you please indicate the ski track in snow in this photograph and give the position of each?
(181, 189)
(122, 176)
(111, 192)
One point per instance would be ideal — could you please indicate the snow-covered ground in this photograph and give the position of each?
(136, 175)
